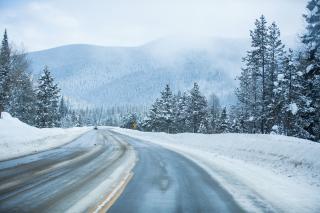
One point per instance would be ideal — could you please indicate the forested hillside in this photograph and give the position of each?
(95, 75)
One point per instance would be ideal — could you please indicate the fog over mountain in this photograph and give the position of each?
(97, 75)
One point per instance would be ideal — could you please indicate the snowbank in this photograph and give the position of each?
(263, 172)
(18, 138)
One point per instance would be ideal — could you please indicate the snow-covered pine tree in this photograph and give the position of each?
(79, 121)
(214, 109)
(253, 79)
(223, 124)
(197, 108)
(204, 126)
(235, 126)
(22, 102)
(63, 108)
(152, 121)
(273, 94)
(166, 110)
(180, 115)
(234, 119)
(5, 69)
(176, 112)
(65, 114)
(259, 61)
(290, 89)
(16, 87)
(259, 93)
(311, 38)
(240, 119)
(75, 119)
(246, 98)
(47, 101)
(311, 71)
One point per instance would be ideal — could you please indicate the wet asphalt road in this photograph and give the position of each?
(165, 181)
(55, 180)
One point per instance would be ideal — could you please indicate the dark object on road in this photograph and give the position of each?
(95, 128)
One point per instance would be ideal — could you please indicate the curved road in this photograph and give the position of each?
(165, 181)
(55, 180)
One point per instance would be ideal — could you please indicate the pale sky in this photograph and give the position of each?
(41, 24)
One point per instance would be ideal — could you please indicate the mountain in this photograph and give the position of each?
(95, 75)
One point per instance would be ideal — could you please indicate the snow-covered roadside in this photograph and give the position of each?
(18, 138)
(262, 172)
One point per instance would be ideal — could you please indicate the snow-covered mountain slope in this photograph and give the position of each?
(18, 138)
(135, 75)
(264, 173)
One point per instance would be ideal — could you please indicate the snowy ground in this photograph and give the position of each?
(263, 172)
(18, 138)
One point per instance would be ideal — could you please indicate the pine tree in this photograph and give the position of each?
(290, 91)
(152, 122)
(253, 79)
(311, 38)
(47, 101)
(260, 94)
(246, 98)
(259, 60)
(288, 100)
(63, 109)
(310, 67)
(166, 107)
(75, 119)
(16, 88)
(204, 127)
(161, 116)
(64, 114)
(5, 69)
(22, 100)
(235, 126)
(273, 93)
(79, 121)
(223, 124)
(180, 112)
(197, 108)
(214, 109)
(234, 119)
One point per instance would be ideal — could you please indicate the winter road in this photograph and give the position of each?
(165, 181)
(55, 180)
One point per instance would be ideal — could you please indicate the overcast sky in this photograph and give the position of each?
(41, 24)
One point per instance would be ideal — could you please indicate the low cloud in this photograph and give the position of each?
(48, 23)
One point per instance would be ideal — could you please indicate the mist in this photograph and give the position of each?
(45, 24)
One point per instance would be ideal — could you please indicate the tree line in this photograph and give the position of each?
(182, 112)
(279, 91)
(279, 88)
(39, 103)
(35, 103)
